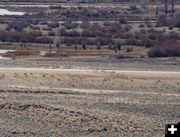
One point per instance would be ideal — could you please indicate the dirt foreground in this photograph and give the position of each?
(70, 102)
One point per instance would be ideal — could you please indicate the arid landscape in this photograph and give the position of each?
(89, 68)
(87, 102)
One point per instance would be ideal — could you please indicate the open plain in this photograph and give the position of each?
(87, 102)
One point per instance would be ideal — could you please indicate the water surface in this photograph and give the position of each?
(7, 12)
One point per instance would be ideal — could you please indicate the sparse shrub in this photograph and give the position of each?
(103, 40)
(134, 9)
(177, 21)
(69, 24)
(162, 20)
(122, 21)
(53, 25)
(118, 45)
(34, 28)
(173, 35)
(36, 33)
(98, 45)
(75, 47)
(18, 25)
(165, 50)
(44, 39)
(57, 45)
(115, 49)
(131, 41)
(47, 29)
(73, 33)
(13, 37)
(129, 49)
(171, 27)
(141, 26)
(177, 24)
(27, 38)
(20, 53)
(148, 42)
(149, 25)
(110, 47)
(84, 47)
(85, 25)
(127, 28)
(51, 33)
(122, 57)
(6, 36)
(88, 33)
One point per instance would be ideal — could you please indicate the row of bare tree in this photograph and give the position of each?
(169, 5)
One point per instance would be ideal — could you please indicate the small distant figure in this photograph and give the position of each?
(115, 50)
(13, 58)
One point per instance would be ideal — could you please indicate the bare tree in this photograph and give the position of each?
(57, 39)
(144, 4)
(173, 2)
(158, 2)
(133, 2)
(165, 6)
(167, 3)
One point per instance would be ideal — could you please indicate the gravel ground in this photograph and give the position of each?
(169, 64)
(87, 103)
(85, 115)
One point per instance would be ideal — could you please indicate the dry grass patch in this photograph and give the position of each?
(21, 53)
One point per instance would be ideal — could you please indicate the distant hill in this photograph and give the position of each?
(74, 1)
(83, 1)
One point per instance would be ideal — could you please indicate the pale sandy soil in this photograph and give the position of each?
(75, 102)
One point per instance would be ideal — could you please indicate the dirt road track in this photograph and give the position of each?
(91, 71)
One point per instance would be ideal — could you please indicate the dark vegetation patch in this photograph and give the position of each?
(171, 49)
